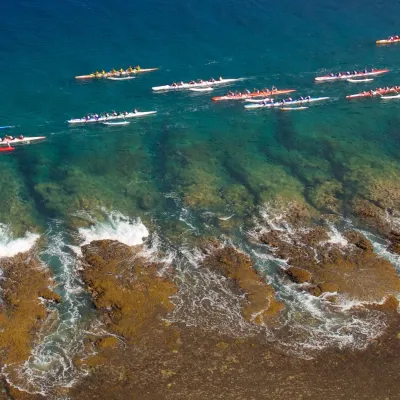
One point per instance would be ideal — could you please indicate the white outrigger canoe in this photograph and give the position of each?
(205, 84)
(397, 96)
(110, 117)
(345, 76)
(25, 140)
(285, 104)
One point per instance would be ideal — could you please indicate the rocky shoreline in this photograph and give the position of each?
(140, 352)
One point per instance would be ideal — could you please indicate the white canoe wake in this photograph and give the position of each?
(93, 119)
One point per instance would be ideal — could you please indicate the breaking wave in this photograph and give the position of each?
(9, 247)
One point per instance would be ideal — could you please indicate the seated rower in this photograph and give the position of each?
(137, 67)
(130, 69)
(230, 93)
(348, 73)
(301, 98)
(212, 80)
(274, 89)
(173, 84)
(289, 99)
(247, 91)
(20, 137)
(331, 74)
(338, 74)
(200, 81)
(192, 82)
(220, 78)
(365, 71)
(308, 97)
(135, 111)
(103, 72)
(355, 72)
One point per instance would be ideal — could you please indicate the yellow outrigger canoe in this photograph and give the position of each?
(100, 75)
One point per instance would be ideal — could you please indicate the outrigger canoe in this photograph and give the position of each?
(387, 41)
(373, 93)
(286, 103)
(25, 140)
(111, 74)
(345, 75)
(183, 86)
(93, 119)
(245, 96)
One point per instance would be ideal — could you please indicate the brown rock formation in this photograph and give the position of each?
(298, 275)
(353, 270)
(127, 290)
(260, 304)
(22, 312)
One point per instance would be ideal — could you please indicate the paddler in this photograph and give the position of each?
(212, 80)
(137, 67)
(274, 89)
(130, 69)
(247, 91)
(135, 111)
(103, 72)
(20, 137)
(220, 78)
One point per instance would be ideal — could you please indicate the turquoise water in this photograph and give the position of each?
(195, 160)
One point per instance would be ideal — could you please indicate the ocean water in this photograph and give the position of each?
(195, 163)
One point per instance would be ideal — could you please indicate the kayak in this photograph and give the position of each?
(116, 73)
(110, 117)
(245, 96)
(344, 75)
(391, 97)
(293, 108)
(373, 94)
(359, 80)
(206, 89)
(4, 149)
(25, 140)
(111, 78)
(287, 103)
(387, 41)
(195, 85)
(116, 123)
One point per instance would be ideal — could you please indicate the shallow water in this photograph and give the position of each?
(196, 163)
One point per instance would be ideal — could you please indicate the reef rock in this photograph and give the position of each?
(22, 312)
(261, 303)
(349, 266)
(125, 288)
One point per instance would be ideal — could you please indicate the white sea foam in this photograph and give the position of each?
(116, 227)
(9, 247)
